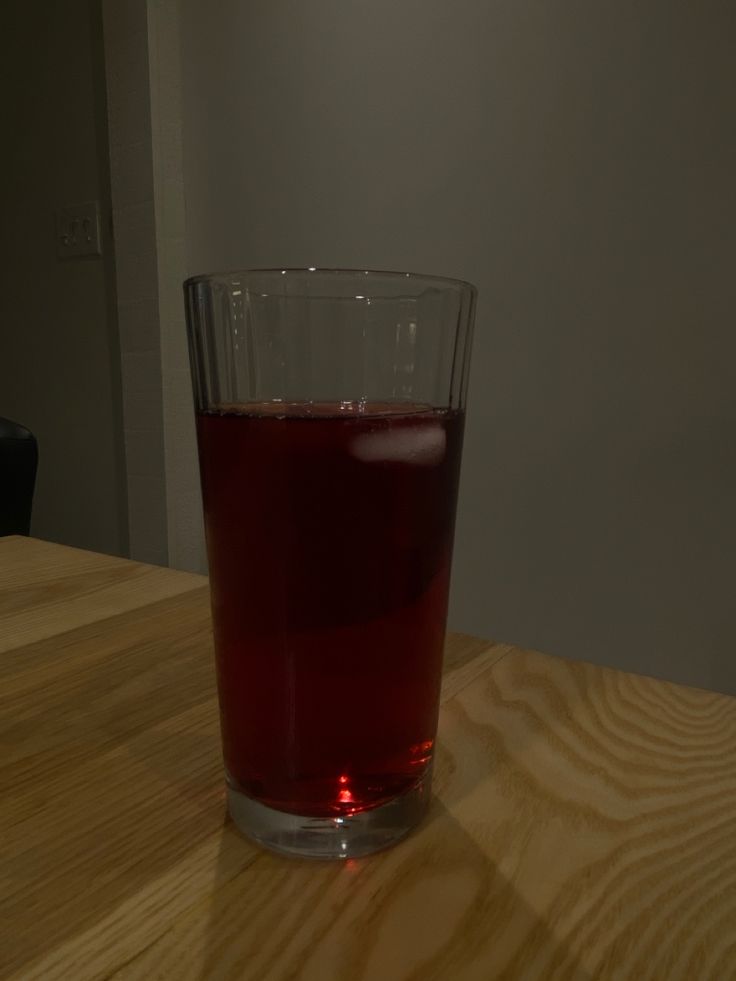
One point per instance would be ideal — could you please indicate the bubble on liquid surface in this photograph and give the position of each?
(423, 446)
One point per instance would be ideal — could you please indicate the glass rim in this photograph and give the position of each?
(448, 282)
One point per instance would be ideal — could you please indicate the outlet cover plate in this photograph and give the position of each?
(78, 231)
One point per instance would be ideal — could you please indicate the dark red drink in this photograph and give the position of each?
(329, 532)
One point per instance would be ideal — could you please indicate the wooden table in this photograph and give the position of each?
(584, 824)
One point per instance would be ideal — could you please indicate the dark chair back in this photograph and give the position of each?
(18, 465)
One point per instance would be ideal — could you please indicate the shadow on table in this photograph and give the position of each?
(433, 907)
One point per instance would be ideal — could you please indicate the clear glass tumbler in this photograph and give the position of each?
(330, 409)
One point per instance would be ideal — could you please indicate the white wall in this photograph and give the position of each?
(183, 498)
(136, 268)
(144, 87)
(576, 161)
(59, 357)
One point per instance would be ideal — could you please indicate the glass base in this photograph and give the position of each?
(349, 836)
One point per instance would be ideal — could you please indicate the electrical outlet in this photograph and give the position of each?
(78, 231)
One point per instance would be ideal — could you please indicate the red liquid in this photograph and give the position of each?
(330, 539)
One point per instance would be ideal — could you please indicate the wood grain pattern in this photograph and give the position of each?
(46, 589)
(584, 824)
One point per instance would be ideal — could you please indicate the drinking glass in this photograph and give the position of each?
(330, 410)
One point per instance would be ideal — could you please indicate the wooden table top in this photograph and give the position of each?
(584, 824)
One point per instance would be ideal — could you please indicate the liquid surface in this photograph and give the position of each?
(329, 531)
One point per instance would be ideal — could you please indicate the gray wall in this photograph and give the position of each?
(577, 162)
(59, 357)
